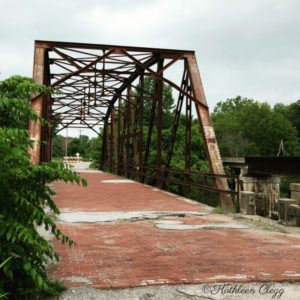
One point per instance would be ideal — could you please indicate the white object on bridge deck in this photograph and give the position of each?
(118, 181)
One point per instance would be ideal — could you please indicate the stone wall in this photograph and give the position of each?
(266, 191)
(295, 192)
(261, 196)
(289, 208)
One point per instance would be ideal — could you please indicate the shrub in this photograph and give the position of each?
(25, 197)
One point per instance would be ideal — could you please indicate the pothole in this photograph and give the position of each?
(111, 217)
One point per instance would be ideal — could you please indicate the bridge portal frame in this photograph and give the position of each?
(85, 73)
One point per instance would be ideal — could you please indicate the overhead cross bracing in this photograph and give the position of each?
(103, 86)
(88, 80)
(97, 78)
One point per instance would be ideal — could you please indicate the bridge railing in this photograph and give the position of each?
(199, 186)
(196, 185)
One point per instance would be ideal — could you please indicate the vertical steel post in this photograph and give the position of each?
(114, 141)
(110, 146)
(119, 152)
(141, 125)
(123, 138)
(35, 127)
(188, 138)
(159, 98)
(128, 132)
(176, 118)
(149, 135)
(104, 147)
(133, 116)
(188, 134)
(46, 135)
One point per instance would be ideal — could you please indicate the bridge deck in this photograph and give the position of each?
(131, 235)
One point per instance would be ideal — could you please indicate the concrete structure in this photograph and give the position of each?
(247, 203)
(289, 208)
(267, 193)
(295, 192)
(261, 197)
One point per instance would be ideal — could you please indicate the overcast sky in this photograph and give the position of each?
(248, 48)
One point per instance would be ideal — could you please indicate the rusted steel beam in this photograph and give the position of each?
(128, 132)
(169, 82)
(188, 134)
(111, 145)
(89, 126)
(124, 138)
(133, 116)
(35, 131)
(114, 142)
(151, 61)
(203, 187)
(198, 174)
(177, 114)
(66, 57)
(119, 149)
(46, 135)
(35, 128)
(49, 44)
(108, 148)
(56, 83)
(169, 64)
(212, 149)
(188, 140)
(104, 146)
(149, 134)
(159, 98)
(141, 124)
(64, 126)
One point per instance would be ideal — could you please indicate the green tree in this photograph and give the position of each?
(149, 92)
(75, 147)
(79, 145)
(247, 127)
(292, 113)
(94, 150)
(24, 197)
(58, 146)
(293, 116)
(16, 87)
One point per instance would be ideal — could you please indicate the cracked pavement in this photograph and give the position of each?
(133, 237)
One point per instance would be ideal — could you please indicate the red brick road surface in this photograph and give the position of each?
(164, 250)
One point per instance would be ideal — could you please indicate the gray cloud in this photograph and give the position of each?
(248, 48)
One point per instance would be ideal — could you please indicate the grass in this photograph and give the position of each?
(223, 210)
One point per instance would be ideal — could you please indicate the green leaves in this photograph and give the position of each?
(24, 198)
(20, 87)
(247, 127)
(4, 262)
(27, 266)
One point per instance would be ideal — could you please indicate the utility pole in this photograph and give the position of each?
(80, 137)
(67, 143)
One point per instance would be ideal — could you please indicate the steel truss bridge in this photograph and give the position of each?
(102, 86)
